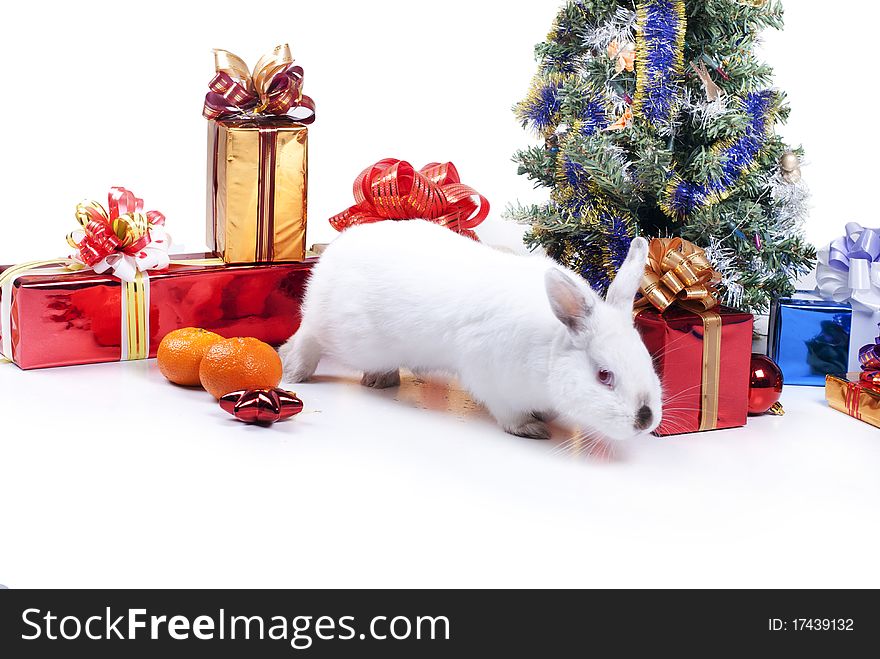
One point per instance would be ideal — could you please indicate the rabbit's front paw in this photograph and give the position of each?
(531, 428)
(300, 357)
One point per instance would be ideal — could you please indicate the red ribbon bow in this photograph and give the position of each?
(262, 405)
(274, 88)
(393, 190)
(122, 227)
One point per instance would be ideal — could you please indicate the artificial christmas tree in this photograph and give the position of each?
(658, 120)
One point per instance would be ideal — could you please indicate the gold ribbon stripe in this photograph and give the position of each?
(711, 383)
(136, 336)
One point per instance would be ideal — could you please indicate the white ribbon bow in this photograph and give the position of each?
(849, 272)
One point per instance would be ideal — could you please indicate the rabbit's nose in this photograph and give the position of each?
(644, 417)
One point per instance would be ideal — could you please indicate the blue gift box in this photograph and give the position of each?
(809, 338)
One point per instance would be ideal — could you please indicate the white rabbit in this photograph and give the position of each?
(526, 337)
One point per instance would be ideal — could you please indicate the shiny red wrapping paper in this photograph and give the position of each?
(75, 318)
(675, 338)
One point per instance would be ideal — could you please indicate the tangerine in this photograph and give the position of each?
(238, 364)
(180, 354)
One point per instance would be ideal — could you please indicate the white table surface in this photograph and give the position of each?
(111, 477)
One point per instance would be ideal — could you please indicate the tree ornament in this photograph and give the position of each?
(790, 165)
(263, 406)
(765, 386)
(713, 91)
(624, 122)
(625, 56)
(551, 143)
(757, 4)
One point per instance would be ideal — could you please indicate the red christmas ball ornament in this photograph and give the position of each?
(262, 406)
(765, 386)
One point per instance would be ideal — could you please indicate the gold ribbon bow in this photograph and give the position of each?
(264, 72)
(274, 87)
(679, 274)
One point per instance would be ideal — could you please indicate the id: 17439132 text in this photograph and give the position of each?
(811, 625)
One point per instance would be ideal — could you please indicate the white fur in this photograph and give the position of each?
(412, 294)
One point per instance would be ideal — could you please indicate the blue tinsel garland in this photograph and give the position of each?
(738, 156)
(659, 59)
(541, 108)
(595, 254)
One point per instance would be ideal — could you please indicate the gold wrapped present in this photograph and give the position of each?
(854, 396)
(257, 159)
(257, 190)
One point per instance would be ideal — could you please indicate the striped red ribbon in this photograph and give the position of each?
(852, 400)
(392, 189)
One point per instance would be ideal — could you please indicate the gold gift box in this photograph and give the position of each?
(257, 189)
(848, 394)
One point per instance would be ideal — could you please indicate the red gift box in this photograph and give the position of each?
(676, 340)
(51, 317)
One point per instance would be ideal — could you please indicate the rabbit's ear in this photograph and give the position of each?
(626, 284)
(572, 303)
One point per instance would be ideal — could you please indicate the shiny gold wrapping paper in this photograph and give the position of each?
(847, 394)
(257, 190)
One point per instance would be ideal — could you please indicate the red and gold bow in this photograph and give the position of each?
(274, 88)
(678, 272)
(393, 190)
(123, 228)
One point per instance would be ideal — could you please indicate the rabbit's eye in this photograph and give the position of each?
(606, 377)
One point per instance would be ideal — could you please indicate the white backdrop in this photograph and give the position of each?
(385, 488)
(110, 94)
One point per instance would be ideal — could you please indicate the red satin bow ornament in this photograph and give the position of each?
(393, 190)
(263, 406)
(273, 88)
(121, 238)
